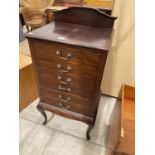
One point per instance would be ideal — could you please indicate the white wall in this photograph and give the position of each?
(120, 63)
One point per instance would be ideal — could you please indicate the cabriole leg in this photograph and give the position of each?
(41, 110)
(90, 127)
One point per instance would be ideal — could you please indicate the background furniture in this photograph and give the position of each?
(127, 142)
(105, 6)
(69, 57)
(21, 34)
(34, 18)
(128, 107)
(27, 82)
(60, 5)
(68, 2)
(34, 12)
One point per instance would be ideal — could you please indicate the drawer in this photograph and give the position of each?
(62, 88)
(56, 51)
(86, 86)
(67, 101)
(79, 70)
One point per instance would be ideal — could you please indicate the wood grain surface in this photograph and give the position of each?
(27, 86)
(74, 34)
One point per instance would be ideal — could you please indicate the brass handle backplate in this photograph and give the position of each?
(64, 82)
(64, 89)
(64, 99)
(59, 53)
(64, 106)
(60, 67)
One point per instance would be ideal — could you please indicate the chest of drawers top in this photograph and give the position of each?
(78, 26)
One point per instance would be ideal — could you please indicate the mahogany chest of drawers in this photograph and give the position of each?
(69, 55)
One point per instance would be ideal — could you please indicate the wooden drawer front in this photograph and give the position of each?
(86, 86)
(49, 51)
(68, 101)
(78, 70)
(56, 85)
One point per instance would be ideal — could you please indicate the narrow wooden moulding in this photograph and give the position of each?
(67, 114)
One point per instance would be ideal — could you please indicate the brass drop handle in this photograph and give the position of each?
(68, 69)
(59, 53)
(65, 106)
(64, 89)
(63, 99)
(64, 82)
(61, 105)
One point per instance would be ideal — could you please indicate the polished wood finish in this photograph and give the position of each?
(69, 56)
(90, 37)
(81, 70)
(83, 57)
(76, 88)
(84, 16)
(67, 113)
(76, 81)
(76, 103)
